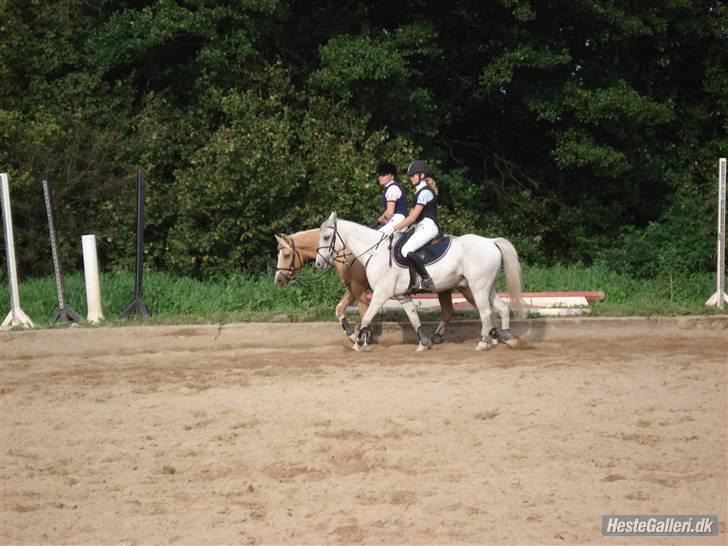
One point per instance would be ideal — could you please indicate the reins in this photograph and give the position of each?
(331, 248)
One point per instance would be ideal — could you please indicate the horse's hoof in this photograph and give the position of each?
(512, 343)
(422, 347)
(436, 339)
(366, 348)
(356, 347)
(352, 337)
(482, 346)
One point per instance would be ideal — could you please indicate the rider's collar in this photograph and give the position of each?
(421, 185)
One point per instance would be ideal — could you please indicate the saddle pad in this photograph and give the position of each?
(430, 253)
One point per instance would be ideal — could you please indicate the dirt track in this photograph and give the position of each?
(246, 434)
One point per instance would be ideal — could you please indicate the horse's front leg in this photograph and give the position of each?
(346, 300)
(364, 339)
(409, 307)
(446, 313)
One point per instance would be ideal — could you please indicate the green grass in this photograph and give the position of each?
(241, 297)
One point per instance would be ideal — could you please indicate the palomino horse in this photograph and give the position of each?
(295, 249)
(472, 265)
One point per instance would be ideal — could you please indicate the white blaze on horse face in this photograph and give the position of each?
(326, 243)
(285, 252)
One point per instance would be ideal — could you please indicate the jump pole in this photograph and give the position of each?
(16, 317)
(720, 297)
(137, 306)
(62, 311)
(91, 277)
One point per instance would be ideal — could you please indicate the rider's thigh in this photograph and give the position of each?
(422, 235)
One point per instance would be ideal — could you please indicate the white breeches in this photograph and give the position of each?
(425, 231)
(393, 221)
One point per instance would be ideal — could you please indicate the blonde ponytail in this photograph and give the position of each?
(432, 184)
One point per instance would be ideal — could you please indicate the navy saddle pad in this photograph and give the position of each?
(430, 253)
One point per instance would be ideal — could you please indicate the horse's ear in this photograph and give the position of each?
(282, 240)
(332, 218)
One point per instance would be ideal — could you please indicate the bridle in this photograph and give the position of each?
(291, 270)
(331, 248)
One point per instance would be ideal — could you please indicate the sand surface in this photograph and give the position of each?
(281, 434)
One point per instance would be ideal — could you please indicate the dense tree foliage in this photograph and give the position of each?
(583, 130)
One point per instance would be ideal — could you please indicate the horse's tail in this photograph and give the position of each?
(512, 271)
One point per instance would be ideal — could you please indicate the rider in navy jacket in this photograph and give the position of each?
(394, 199)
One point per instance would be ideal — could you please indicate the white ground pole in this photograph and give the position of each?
(16, 317)
(720, 297)
(91, 275)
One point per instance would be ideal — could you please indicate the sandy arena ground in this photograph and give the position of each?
(250, 434)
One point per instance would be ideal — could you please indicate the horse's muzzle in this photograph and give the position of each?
(281, 280)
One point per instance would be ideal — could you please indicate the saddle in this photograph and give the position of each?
(431, 253)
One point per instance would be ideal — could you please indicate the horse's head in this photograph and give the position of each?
(289, 260)
(328, 241)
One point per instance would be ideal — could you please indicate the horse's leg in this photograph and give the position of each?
(446, 312)
(409, 307)
(359, 287)
(504, 311)
(365, 333)
(346, 300)
(361, 294)
(482, 304)
(468, 294)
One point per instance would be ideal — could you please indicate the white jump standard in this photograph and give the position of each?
(720, 297)
(16, 317)
(91, 276)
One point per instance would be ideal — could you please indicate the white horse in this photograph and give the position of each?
(471, 265)
(299, 247)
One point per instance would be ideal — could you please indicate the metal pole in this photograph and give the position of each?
(16, 316)
(140, 235)
(137, 306)
(62, 312)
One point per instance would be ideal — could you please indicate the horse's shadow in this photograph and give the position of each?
(529, 332)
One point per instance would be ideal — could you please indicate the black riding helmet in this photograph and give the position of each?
(386, 167)
(418, 166)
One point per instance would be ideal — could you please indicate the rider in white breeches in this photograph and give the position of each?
(425, 232)
(423, 215)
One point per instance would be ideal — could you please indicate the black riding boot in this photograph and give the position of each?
(419, 266)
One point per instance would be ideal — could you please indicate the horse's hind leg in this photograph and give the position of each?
(482, 304)
(503, 310)
(446, 312)
(409, 308)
